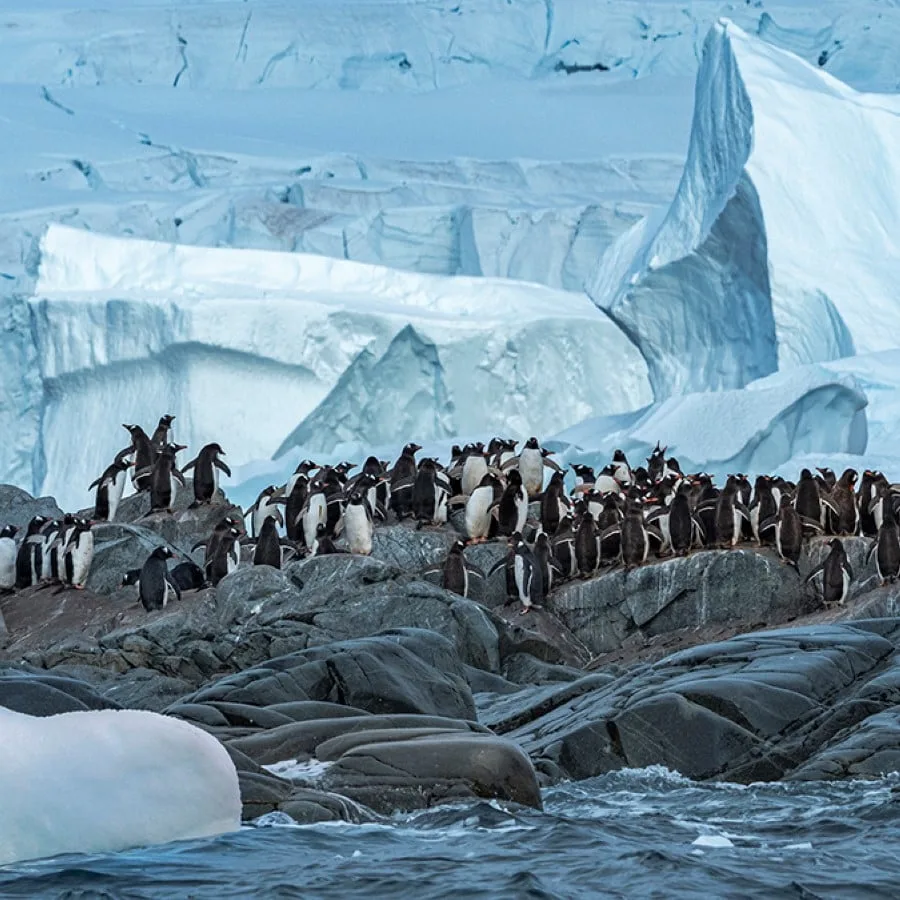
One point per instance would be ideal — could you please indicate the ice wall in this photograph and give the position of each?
(780, 246)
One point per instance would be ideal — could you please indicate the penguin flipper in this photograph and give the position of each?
(190, 465)
(476, 572)
(811, 523)
(655, 533)
(552, 464)
(94, 484)
(816, 571)
(222, 467)
(176, 474)
(768, 524)
(706, 504)
(497, 566)
(198, 545)
(742, 509)
(849, 569)
(174, 587)
(825, 500)
(872, 549)
(612, 531)
(510, 464)
(698, 525)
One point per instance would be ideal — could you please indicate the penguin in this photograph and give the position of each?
(163, 478)
(764, 505)
(587, 550)
(474, 468)
(77, 555)
(684, 528)
(787, 528)
(826, 478)
(705, 510)
(378, 490)
(265, 506)
(656, 463)
(478, 518)
(154, 581)
(144, 457)
(636, 535)
(161, 434)
(584, 476)
(866, 493)
(403, 477)
(843, 496)
(563, 546)
(610, 514)
(605, 482)
(457, 572)
(295, 492)
(621, 470)
(543, 555)
(56, 538)
(810, 504)
(315, 513)
(211, 544)
(110, 486)
(430, 495)
(527, 574)
(836, 574)
(887, 546)
(531, 464)
(730, 513)
(268, 549)
(359, 526)
(512, 507)
(554, 502)
(186, 576)
(227, 556)
(323, 544)
(206, 465)
(29, 556)
(8, 557)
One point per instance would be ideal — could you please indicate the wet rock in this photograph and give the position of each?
(523, 668)
(41, 694)
(18, 507)
(410, 549)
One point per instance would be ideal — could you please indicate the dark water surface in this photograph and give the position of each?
(636, 833)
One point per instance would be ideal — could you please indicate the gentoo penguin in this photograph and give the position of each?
(543, 555)
(605, 482)
(56, 538)
(474, 468)
(323, 544)
(636, 535)
(315, 512)
(378, 490)
(110, 486)
(512, 507)
(866, 493)
(887, 546)
(554, 502)
(8, 557)
(430, 494)
(706, 510)
(656, 463)
(186, 576)
(457, 572)
(77, 555)
(296, 491)
(810, 503)
(763, 505)
(359, 526)
(563, 545)
(29, 564)
(683, 526)
(826, 478)
(163, 478)
(787, 528)
(161, 434)
(527, 574)
(587, 550)
(584, 475)
(730, 513)
(154, 581)
(211, 544)
(621, 470)
(609, 514)
(478, 517)
(268, 550)
(144, 457)
(265, 506)
(403, 477)
(836, 574)
(206, 465)
(531, 464)
(843, 497)
(227, 557)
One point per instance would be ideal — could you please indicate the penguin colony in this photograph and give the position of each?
(619, 516)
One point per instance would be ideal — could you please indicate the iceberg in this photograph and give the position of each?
(779, 248)
(100, 781)
(241, 345)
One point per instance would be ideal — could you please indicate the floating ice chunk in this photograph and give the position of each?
(711, 840)
(100, 781)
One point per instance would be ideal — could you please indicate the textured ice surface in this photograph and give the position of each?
(92, 782)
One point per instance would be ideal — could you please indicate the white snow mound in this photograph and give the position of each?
(95, 782)
(241, 345)
(781, 245)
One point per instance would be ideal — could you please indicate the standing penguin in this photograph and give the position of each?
(29, 563)
(478, 517)
(527, 574)
(636, 535)
(227, 557)
(403, 477)
(587, 549)
(621, 470)
(211, 544)
(887, 547)
(683, 527)
(110, 486)
(811, 504)
(322, 543)
(456, 572)
(268, 550)
(554, 502)
(543, 555)
(161, 434)
(206, 465)
(656, 463)
(296, 491)
(474, 468)
(866, 493)
(264, 507)
(144, 457)
(430, 495)
(154, 581)
(836, 574)
(532, 460)
(359, 526)
(843, 496)
(163, 478)
(763, 506)
(512, 507)
(8, 557)
(787, 528)
(563, 545)
(78, 554)
(730, 513)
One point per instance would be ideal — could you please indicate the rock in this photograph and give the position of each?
(247, 590)
(18, 507)
(40, 694)
(523, 668)
(425, 771)
(336, 747)
(306, 806)
(410, 549)
(119, 548)
(539, 633)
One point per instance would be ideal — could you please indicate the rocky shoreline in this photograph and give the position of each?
(348, 687)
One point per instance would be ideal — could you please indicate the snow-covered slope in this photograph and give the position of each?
(781, 244)
(241, 345)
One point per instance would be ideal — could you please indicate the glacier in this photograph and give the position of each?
(99, 781)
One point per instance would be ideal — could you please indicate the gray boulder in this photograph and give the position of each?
(18, 507)
(40, 694)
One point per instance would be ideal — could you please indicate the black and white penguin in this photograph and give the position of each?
(764, 505)
(656, 463)
(584, 476)
(474, 468)
(359, 525)
(684, 527)
(543, 555)
(265, 506)
(211, 544)
(154, 581)
(866, 493)
(295, 492)
(269, 550)
(430, 494)
(403, 478)
(206, 465)
(621, 470)
(8, 553)
(555, 504)
(887, 546)
(164, 477)
(843, 496)
(186, 576)
(29, 563)
(836, 574)
(636, 536)
(706, 510)
(77, 555)
(161, 434)
(144, 457)
(378, 487)
(810, 503)
(110, 486)
(456, 572)
(322, 543)
(730, 514)
(227, 556)
(787, 529)
(527, 574)
(479, 521)
(532, 460)
(587, 546)
(563, 545)
(609, 514)
(512, 507)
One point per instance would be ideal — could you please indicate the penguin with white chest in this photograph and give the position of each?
(264, 507)
(512, 507)
(144, 457)
(77, 555)
(164, 478)
(532, 460)
(528, 576)
(479, 520)
(836, 574)
(359, 526)
(155, 584)
(29, 558)
(8, 557)
(110, 486)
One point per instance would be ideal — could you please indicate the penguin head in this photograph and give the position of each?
(166, 421)
(163, 553)
(457, 546)
(356, 498)
(619, 457)
(514, 477)
(122, 458)
(411, 449)
(132, 576)
(320, 531)
(8, 531)
(215, 449)
(806, 475)
(344, 467)
(307, 465)
(532, 443)
(849, 477)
